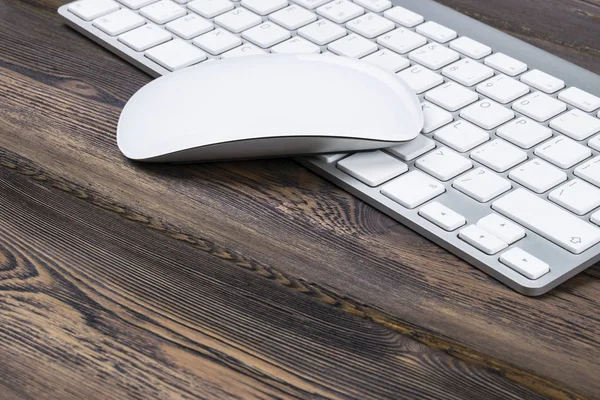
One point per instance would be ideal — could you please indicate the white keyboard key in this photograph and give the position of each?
(340, 11)
(266, 34)
(594, 143)
(210, 8)
(502, 228)
(217, 41)
(444, 163)
(331, 157)
(420, 79)
(539, 106)
(119, 22)
(437, 32)
(163, 11)
(293, 17)
(580, 99)
(264, 7)
(311, 4)
(590, 171)
(548, 220)
(190, 26)
(296, 45)
(434, 55)
(524, 263)
(144, 37)
(374, 5)
(524, 132)
(542, 81)
(506, 64)
(576, 124)
(537, 175)
(402, 16)
(352, 46)
(482, 185)
(595, 218)
(487, 114)
(92, 9)
(467, 72)
(451, 96)
(238, 20)
(442, 216)
(482, 240)
(372, 168)
(576, 196)
(412, 189)
(401, 40)
(462, 136)
(247, 49)
(370, 25)
(470, 47)
(562, 151)
(499, 155)
(137, 4)
(322, 32)
(412, 149)
(435, 117)
(503, 89)
(388, 60)
(175, 55)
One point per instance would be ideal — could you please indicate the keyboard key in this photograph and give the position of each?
(217, 41)
(210, 8)
(412, 149)
(370, 25)
(372, 168)
(388, 60)
(119, 22)
(401, 40)
(487, 114)
(322, 32)
(190, 26)
(144, 37)
(311, 4)
(434, 55)
(580, 99)
(444, 163)
(499, 155)
(482, 185)
(238, 20)
(176, 54)
(412, 189)
(524, 263)
(503, 89)
(163, 11)
(137, 4)
(293, 17)
(331, 157)
(467, 72)
(402, 16)
(576, 196)
(296, 45)
(524, 132)
(537, 175)
(548, 220)
(352, 46)
(435, 117)
(340, 11)
(470, 47)
(420, 79)
(462, 136)
(247, 49)
(562, 151)
(264, 7)
(502, 228)
(437, 32)
(576, 124)
(539, 106)
(482, 240)
(451, 96)
(266, 34)
(594, 143)
(442, 216)
(590, 171)
(92, 9)
(374, 5)
(542, 81)
(506, 64)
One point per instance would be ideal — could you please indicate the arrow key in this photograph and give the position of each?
(501, 228)
(442, 216)
(482, 240)
(524, 263)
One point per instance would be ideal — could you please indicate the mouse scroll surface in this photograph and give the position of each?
(268, 106)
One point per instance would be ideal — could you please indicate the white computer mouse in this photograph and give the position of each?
(268, 106)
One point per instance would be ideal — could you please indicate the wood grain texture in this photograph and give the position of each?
(61, 97)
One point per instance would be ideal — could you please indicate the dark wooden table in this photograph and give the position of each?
(248, 279)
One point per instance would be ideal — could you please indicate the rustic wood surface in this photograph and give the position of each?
(249, 279)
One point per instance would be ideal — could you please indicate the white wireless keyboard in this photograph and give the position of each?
(506, 173)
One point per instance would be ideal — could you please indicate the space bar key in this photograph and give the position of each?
(548, 220)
